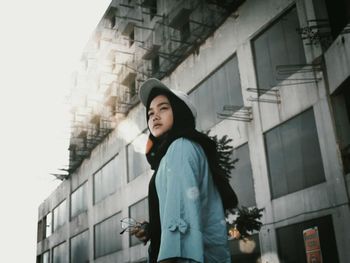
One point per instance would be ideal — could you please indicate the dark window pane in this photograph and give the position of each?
(153, 8)
(107, 237)
(347, 101)
(280, 44)
(46, 257)
(291, 248)
(139, 212)
(137, 163)
(131, 37)
(338, 15)
(223, 87)
(78, 200)
(185, 31)
(294, 155)
(341, 110)
(79, 248)
(40, 233)
(242, 177)
(155, 64)
(59, 215)
(48, 224)
(206, 116)
(107, 180)
(59, 254)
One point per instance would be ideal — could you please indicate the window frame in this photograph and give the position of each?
(94, 183)
(196, 88)
(129, 213)
(70, 243)
(245, 144)
(53, 216)
(53, 250)
(84, 184)
(95, 239)
(267, 156)
(320, 220)
(127, 157)
(263, 30)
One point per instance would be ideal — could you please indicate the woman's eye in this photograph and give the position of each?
(150, 114)
(163, 108)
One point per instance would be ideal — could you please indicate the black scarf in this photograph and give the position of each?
(183, 127)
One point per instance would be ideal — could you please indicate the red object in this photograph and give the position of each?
(312, 245)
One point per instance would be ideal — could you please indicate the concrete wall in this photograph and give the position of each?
(338, 59)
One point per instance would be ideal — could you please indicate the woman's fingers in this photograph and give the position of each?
(138, 232)
(141, 232)
(134, 230)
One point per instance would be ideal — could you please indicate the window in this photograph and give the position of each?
(131, 37)
(48, 225)
(341, 106)
(139, 212)
(153, 8)
(155, 64)
(278, 45)
(136, 159)
(40, 233)
(79, 248)
(112, 21)
(78, 200)
(291, 243)
(43, 258)
(44, 227)
(293, 154)
(111, 16)
(223, 87)
(242, 177)
(59, 215)
(336, 14)
(59, 254)
(107, 238)
(107, 180)
(185, 31)
(132, 88)
(245, 251)
(46, 257)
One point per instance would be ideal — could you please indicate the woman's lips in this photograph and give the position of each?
(155, 126)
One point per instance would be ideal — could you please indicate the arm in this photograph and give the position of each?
(178, 187)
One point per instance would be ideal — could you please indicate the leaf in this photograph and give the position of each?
(247, 220)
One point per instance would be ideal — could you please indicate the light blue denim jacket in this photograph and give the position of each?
(191, 212)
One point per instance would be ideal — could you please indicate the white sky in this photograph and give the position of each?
(41, 42)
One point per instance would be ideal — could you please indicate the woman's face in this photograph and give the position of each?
(160, 116)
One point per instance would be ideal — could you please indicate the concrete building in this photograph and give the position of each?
(273, 75)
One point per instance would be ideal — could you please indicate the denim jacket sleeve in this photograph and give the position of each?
(180, 196)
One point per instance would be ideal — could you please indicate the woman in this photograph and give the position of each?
(188, 191)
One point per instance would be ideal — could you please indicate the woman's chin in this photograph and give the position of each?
(158, 134)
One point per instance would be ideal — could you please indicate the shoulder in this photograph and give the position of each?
(186, 147)
(183, 151)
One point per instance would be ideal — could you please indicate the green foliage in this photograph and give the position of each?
(225, 150)
(248, 219)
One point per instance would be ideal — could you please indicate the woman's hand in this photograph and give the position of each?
(141, 232)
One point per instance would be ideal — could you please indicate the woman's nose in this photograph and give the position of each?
(155, 116)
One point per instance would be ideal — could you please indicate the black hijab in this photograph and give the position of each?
(183, 126)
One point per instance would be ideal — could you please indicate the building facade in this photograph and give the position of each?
(273, 75)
